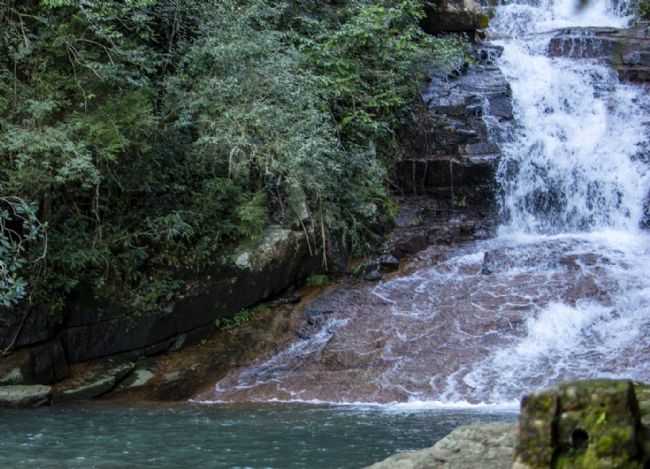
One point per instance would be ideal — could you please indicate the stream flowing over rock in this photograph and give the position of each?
(558, 144)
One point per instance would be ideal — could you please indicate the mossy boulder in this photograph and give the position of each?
(594, 424)
(536, 428)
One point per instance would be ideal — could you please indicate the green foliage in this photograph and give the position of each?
(370, 67)
(241, 318)
(318, 281)
(19, 227)
(644, 9)
(141, 139)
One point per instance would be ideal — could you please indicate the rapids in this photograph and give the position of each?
(562, 292)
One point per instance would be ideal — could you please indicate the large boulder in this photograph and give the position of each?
(594, 424)
(486, 446)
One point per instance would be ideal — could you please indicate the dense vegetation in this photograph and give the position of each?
(141, 138)
(644, 9)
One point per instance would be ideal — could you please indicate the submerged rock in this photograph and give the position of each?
(487, 446)
(25, 396)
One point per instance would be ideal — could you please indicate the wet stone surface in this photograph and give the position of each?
(452, 330)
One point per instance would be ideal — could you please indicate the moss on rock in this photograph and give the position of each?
(594, 424)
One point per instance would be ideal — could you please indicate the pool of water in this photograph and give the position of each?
(214, 436)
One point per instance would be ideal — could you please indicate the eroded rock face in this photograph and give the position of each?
(454, 158)
(447, 179)
(594, 424)
(488, 446)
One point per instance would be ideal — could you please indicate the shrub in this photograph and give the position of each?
(141, 139)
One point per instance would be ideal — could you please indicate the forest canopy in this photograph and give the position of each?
(141, 138)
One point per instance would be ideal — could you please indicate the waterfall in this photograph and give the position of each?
(574, 171)
(573, 163)
(562, 292)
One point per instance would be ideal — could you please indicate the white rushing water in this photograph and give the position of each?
(572, 164)
(573, 169)
(567, 291)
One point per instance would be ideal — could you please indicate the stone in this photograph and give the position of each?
(15, 368)
(97, 384)
(42, 364)
(388, 263)
(315, 320)
(454, 154)
(486, 446)
(592, 424)
(49, 364)
(39, 326)
(373, 276)
(536, 429)
(140, 377)
(25, 396)
(176, 385)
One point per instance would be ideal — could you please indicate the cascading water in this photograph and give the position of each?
(572, 165)
(564, 290)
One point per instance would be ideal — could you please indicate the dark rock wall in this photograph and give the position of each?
(46, 344)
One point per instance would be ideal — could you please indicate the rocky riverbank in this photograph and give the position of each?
(597, 424)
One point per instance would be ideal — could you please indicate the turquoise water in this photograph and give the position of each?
(202, 436)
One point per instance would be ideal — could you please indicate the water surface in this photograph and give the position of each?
(189, 436)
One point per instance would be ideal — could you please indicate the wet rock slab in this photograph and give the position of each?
(25, 396)
(94, 384)
(488, 446)
(480, 323)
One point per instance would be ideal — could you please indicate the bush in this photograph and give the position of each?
(141, 139)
